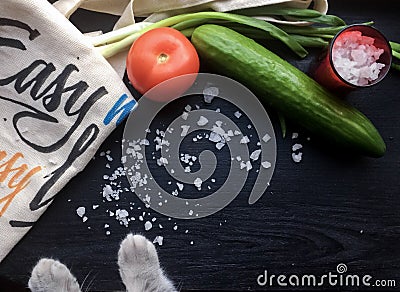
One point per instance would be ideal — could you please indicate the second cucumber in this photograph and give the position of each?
(287, 89)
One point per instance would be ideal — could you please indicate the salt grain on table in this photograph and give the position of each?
(245, 140)
(180, 186)
(185, 130)
(202, 121)
(159, 239)
(80, 211)
(297, 157)
(219, 146)
(210, 93)
(255, 155)
(148, 225)
(296, 147)
(238, 114)
(197, 182)
(266, 138)
(266, 164)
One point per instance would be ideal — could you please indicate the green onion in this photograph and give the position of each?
(294, 14)
(267, 27)
(295, 37)
(396, 66)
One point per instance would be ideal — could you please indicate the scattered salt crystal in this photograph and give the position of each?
(175, 193)
(237, 133)
(191, 242)
(296, 147)
(188, 108)
(108, 232)
(180, 186)
(202, 121)
(248, 166)
(295, 135)
(210, 93)
(160, 226)
(197, 182)
(81, 211)
(84, 219)
(95, 207)
(255, 155)
(238, 158)
(244, 140)
(185, 115)
(219, 146)
(242, 165)
(214, 137)
(190, 212)
(175, 227)
(159, 239)
(148, 225)
(266, 164)
(238, 114)
(266, 138)
(145, 142)
(154, 219)
(185, 130)
(297, 157)
(162, 161)
(122, 217)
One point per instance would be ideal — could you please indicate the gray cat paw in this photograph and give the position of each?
(137, 252)
(50, 275)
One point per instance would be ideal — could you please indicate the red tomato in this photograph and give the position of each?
(159, 55)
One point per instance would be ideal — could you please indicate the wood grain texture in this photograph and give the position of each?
(331, 208)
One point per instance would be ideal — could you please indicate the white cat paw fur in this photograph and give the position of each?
(139, 266)
(50, 275)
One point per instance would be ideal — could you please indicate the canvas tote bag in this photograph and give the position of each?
(59, 100)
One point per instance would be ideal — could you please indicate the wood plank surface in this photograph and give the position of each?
(331, 208)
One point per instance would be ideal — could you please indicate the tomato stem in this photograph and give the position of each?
(162, 58)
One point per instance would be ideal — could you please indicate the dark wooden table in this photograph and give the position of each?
(331, 208)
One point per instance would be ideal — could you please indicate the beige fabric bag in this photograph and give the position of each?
(59, 100)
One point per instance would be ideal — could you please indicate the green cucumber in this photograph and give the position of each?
(287, 89)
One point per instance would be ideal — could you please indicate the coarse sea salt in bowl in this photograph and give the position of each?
(359, 56)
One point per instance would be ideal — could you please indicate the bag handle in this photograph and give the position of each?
(122, 8)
